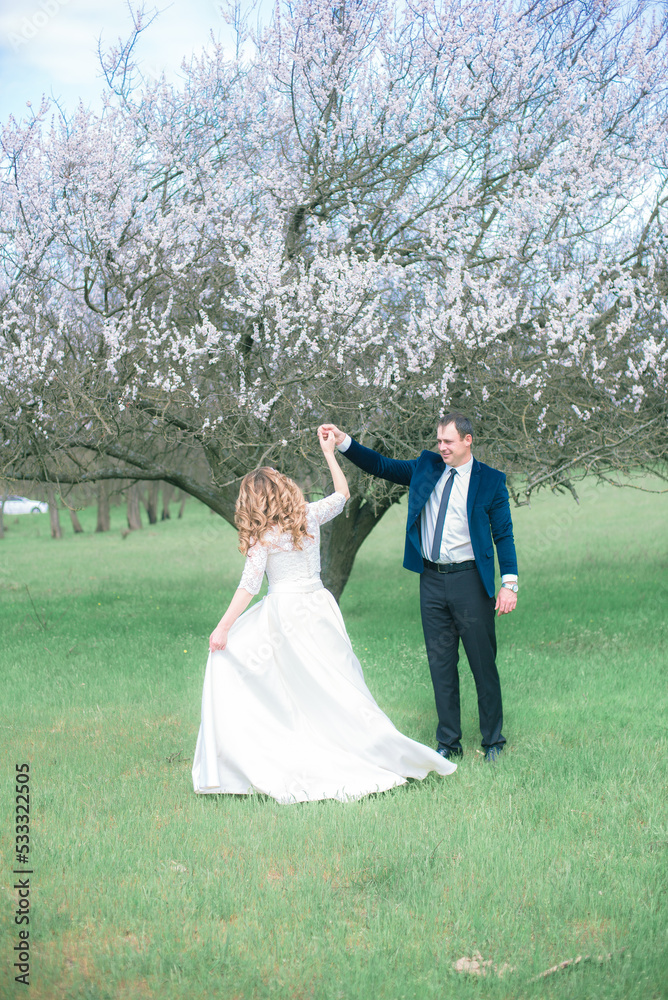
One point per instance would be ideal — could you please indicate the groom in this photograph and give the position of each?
(456, 506)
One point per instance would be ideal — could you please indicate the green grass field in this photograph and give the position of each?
(143, 890)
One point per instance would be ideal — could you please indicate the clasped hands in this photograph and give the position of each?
(328, 436)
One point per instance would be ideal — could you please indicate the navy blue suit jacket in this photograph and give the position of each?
(487, 506)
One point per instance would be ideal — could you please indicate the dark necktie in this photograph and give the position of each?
(440, 520)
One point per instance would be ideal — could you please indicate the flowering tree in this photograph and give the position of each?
(386, 211)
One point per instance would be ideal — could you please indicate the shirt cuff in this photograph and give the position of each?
(509, 578)
(345, 444)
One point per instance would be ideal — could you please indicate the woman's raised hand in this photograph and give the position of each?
(327, 440)
(329, 436)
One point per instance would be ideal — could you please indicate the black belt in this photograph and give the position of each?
(450, 567)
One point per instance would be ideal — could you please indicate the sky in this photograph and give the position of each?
(50, 46)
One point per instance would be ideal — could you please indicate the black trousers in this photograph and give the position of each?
(456, 606)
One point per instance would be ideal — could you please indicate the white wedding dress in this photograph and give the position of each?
(285, 710)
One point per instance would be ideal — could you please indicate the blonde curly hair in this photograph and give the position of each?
(269, 499)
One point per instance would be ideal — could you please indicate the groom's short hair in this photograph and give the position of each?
(462, 423)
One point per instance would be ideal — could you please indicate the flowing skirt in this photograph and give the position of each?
(286, 711)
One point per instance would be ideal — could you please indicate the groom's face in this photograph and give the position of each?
(454, 450)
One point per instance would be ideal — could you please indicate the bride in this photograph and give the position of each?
(285, 710)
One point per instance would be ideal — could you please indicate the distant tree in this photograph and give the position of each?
(54, 515)
(167, 493)
(133, 495)
(76, 523)
(151, 501)
(385, 211)
(103, 513)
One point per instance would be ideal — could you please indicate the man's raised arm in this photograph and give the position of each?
(392, 469)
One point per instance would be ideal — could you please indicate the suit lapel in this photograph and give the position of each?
(474, 483)
(423, 488)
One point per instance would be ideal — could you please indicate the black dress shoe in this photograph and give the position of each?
(492, 754)
(448, 753)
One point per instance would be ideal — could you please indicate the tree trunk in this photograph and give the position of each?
(342, 538)
(103, 516)
(54, 517)
(152, 501)
(167, 494)
(76, 523)
(134, 507)
(2, 519)
(184, 497)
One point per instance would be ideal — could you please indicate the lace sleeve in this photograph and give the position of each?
(256, 560)
(327, 508)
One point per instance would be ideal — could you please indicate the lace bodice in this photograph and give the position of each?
(277, 556)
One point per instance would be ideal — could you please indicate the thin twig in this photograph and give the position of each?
(431, 856)
(37, 615)
(577, 961)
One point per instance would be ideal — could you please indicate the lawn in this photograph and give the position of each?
(140, 889)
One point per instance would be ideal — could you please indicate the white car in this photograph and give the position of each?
(21, 505)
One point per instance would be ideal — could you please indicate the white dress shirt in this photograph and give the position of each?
(456, 542)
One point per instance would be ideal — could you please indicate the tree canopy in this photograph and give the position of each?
(375, 212)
